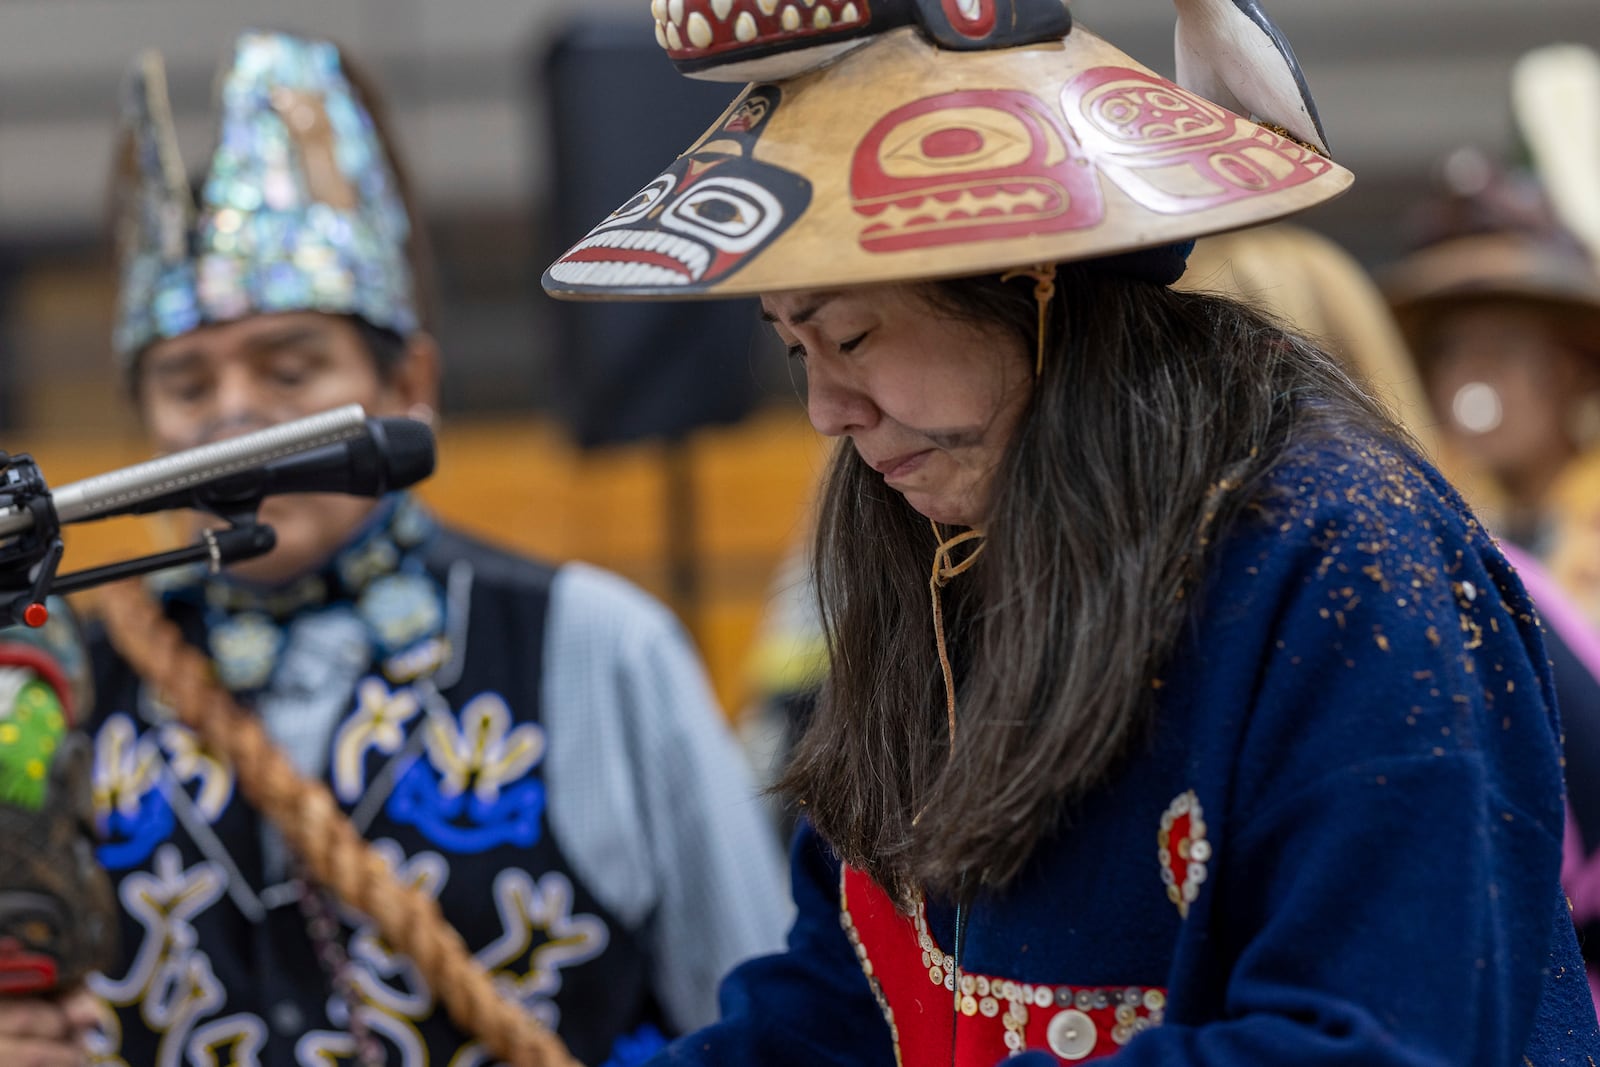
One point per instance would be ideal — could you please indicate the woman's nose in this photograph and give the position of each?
(835, 405)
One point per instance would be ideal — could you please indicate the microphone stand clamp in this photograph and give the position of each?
(29, 559)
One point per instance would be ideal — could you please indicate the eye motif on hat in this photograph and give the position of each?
(709, 213)
(1175, 152)
(973, 24)
(970, 166)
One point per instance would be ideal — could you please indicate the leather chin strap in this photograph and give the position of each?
(943, 571)
(1044, 290)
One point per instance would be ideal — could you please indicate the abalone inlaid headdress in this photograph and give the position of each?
(299, 210)
(899, 140)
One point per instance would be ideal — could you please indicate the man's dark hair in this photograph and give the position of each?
(386, 347)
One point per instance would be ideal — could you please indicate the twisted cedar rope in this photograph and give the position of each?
(311, 822)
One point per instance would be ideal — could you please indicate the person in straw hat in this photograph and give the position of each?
(387, 795)
(1177, 711)
(1501, 304)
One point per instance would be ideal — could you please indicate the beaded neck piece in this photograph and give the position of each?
(378, 578)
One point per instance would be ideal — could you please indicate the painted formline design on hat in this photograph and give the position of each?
(298, 210)
(903, 161)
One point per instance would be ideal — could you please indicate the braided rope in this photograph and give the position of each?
(305, 812)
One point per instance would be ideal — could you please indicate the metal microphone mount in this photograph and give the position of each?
(30, 557)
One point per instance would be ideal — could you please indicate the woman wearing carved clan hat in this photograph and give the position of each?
(1178, 712)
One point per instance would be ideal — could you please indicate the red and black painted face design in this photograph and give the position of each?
(972, 19)
(700, 35)
(965, 25)
(697, 223)
(1174, 152)
(970, 166)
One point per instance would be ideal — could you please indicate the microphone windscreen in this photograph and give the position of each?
(408, 451)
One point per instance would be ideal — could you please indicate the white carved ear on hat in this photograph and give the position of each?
(153, 190)
(1232, 54)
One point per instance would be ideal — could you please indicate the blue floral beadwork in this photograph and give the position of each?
(475, 786)
(464, 823)
(130, 839)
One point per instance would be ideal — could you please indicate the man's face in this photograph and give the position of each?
(221, 381)
(1503, 377)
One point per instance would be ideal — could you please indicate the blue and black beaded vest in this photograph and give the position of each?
(419, 651)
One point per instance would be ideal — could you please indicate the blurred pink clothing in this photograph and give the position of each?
(1580, 872)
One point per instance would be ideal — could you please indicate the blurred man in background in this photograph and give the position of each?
(536, 746)
(1501, 304)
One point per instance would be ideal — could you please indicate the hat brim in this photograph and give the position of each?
(1492, 266)
(904, 162)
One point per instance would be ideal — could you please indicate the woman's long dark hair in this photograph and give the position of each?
(1154, 420)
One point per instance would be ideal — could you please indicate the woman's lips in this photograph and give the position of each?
(902, 465)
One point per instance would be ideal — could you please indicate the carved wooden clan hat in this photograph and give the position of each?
(922, 139)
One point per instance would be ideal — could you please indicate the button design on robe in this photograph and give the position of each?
(1182, 850)
(1071, 1035)
(998, 1015)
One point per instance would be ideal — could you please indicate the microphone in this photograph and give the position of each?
(339, 451)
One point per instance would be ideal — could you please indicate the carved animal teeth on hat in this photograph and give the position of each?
(699, 31)
(902, 140)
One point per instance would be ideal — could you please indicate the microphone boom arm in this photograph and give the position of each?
(339, 451)
(28, 560)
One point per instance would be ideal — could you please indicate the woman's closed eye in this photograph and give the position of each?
(854, 342)
(798, 350)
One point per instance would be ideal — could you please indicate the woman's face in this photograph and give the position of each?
(928, 401)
